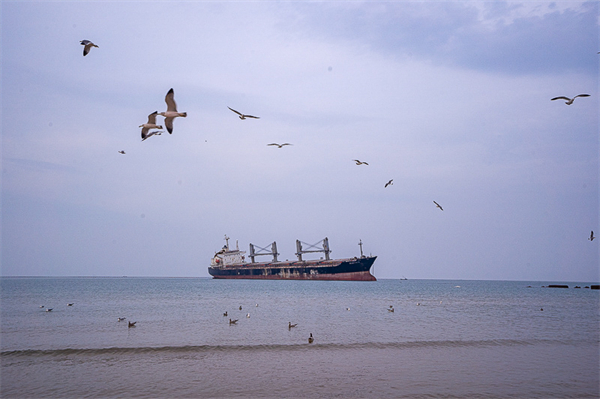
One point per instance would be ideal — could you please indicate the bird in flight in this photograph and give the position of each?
(122, 152)
(243, 116)
(389, 183)
(87, 45)
(359, 162)
(171, 111)
(438, 205)
(151, 124)
(592, 236)
(279, 145)
(568, 100)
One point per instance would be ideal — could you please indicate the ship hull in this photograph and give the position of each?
(357, 269)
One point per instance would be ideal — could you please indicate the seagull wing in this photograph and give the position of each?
(170, 100)
(145, 133)
(274, 144)
(582, 95)
(250, 116)
(169, 124)
(152, 118)
(235, 111)
(560, 98)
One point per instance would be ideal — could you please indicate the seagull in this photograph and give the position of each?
(310, 339)
(121, 319)
(122, 152)
(240, 307)
(242, 116)
(225, 314)
(232, 321)
(391, 309)
(591, 236)
(248, 315)
(569, 101)
(389, 183)
(69, 304)
(41, 306)
(290, 325)
(49, 310)
(279, 145)
(131, 324)
(438, 205)
(359, 162)
(151, 124)
(87, 45)
(171, 111)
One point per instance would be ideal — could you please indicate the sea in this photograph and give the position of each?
(443, 339)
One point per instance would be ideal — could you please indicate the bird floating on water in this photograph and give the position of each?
(568, 100)
(389, 183)
(391, 309)
(87, 45)
(591, 236)
(290, 325)
(310, 339)
(172, 112)
(438, 205)
(69, 304)
(248, 315)
(131, 324)
(121, 319)
(359, 162)
(49, 310)
(232, 321)
(151, 124)
(243, 116)
(279, 145)
(225, 314)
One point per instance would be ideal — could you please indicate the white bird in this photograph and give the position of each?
(151, 124)
(171, 111)
(389, 183)
(87, 45)
(591, 236)
(568, 100)
(279, 145)
(243, 116)
(49, 310)
(359, 162)
(438, 205)
(248, 315)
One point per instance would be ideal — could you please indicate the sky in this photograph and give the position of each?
(451, 100)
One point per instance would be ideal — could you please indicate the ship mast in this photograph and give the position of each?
(227, 242)
(361, 251)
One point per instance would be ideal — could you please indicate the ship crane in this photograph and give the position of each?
(272, 252)
(325, 250)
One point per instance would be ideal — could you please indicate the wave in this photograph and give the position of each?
(276, 347)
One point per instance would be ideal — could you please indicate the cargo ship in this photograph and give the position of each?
(231, 264)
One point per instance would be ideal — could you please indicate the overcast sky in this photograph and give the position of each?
(451, 100)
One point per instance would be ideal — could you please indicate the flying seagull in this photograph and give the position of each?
(359, 162)
(438, 205)
(568, 100)
(242, 116)
(171, 111)
(122, 152)
(591, 236)
(87, 45)
(389, 183)
(279, 145)
(151, 124)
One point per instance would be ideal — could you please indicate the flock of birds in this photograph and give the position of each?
(172, 113)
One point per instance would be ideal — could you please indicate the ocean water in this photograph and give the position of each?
(445, 339)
